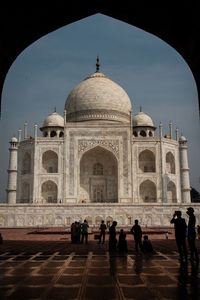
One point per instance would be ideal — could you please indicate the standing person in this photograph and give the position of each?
(73, 233)
(180, 234)
(112, 237)
(198, 231)
(192, 235)
(84, 232)
(122, 244)
(79, 232)
(137, 232)
(102, 232)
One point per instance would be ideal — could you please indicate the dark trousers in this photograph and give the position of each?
(138, 242)
(193, 249)
(84, 236)
(102, 234)
(182, 250)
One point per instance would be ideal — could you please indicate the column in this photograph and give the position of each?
(12, 172)
(184, 170)
(35, 132)
(19, 135)
(170, 130)
(177, 134)
(25, 130)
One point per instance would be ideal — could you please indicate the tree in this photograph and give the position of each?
(195, 195)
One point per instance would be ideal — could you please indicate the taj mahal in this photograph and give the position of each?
(99, 161)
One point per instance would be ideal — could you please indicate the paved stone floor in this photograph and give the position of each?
(48, 266)
(59, 270)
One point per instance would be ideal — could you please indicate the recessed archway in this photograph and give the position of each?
(175, 31)
(50, 162)
(25, 194)
(171, 192)
(49, 192)
(148, 191)
(26, 163)
(147, 161)
(98, 176)
(170, 163)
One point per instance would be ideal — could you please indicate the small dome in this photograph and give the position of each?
(182, 139)
(13, 140)
(142, 120)
(98, 98)
(54, 120)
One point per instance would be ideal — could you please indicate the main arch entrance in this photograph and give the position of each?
(98, 176)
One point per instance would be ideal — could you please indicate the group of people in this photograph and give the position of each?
(79, 232)
(182, 231)
(121, 244)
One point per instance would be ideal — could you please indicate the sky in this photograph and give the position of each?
(152, 73)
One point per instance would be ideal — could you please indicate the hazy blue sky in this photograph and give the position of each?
(153, 74)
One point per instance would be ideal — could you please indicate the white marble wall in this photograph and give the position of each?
(26, 215)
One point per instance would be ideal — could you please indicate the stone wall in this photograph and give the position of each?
(32, 215)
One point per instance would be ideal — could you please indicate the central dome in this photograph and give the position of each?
(98, 98)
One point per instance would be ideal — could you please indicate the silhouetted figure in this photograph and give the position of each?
(102, 232)
(147, 246)
(122, 244)
(180, 234)
(1, 239)
(112, 237)
(73, 234)
(198, 231)
(79, 232)
(192, 235)
(84, 232)
(137, 232)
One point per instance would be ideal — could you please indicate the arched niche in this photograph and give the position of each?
(171, 192)
(98, 176)
(147, 161)
(109, 221)
(53, 133)
(25, 192)
(98, 220)
(26, 163)
(89, 220)
(148, 191)
(170, 163)
(49, 192)
(143, 133)
(50, 162)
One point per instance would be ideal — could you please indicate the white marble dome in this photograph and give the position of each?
(54, 120)
(142, 120)
(13, 139)
(98, 98)
(183, 139)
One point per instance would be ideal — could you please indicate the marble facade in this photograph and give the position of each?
(98, 162)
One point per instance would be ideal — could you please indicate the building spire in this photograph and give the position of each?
(97, 64)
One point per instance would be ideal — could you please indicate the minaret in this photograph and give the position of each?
(160, 130)
(12, 172)
(25, 130)
(184, 170)
(170, 129)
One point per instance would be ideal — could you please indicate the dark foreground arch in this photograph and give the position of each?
(22, 25)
